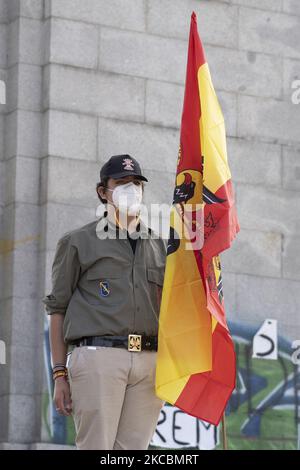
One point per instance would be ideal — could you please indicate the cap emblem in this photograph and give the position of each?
(128, 164)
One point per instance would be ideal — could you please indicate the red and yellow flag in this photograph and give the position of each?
(196, 358)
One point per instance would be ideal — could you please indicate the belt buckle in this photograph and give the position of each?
(135, 343)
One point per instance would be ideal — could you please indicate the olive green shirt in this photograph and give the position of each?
(101, 286)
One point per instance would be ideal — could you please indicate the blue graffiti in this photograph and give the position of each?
(249, 384)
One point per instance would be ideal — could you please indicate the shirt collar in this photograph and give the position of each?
(142, 230)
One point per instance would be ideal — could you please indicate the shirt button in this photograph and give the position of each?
(136, 286)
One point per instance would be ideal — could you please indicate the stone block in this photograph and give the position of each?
(3, 42)
(154, 147)
(291, 168)
(20, 429)
(22, 176)
(142, 55)
(25, 42)
(268, 209)
(254, 162)
(92, 92)
(70, 181)
(23, 136)
(22, 274)
(290, 258)
(4, 407)
(254, 252)
(272, 5)
(73, 43)
(270, 32)
(128, 14)
(1, 137)
(245, 72)
(24, 87)
(292, 80)
(3, 12)
(70, 135)
(21, 314)
(22, 227)
(23, 379)
(31, 8)
(259, 298)
(62, 218)
(272, 120)
(291, 6)
(25, 8)
(217, 22)
(164, 103)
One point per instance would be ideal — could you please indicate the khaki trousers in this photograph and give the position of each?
(113, 396)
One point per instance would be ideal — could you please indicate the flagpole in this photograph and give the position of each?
(224, 433)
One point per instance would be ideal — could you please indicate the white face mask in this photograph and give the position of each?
(127, 198)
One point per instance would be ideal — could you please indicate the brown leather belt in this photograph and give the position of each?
(132, 342)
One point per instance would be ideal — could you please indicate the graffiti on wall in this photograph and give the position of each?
(177, 430)
(263, 412)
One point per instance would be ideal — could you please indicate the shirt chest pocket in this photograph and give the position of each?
(105, 285)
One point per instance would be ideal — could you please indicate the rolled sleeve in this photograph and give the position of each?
(65, 275)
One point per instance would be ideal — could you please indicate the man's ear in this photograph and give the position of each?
(101, 193)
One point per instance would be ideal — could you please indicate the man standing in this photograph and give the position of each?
(107, 278)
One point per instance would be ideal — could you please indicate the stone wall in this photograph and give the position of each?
(86, 79)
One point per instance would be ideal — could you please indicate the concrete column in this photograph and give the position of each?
(21, 320)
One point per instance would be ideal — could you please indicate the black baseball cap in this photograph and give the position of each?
(119, 166)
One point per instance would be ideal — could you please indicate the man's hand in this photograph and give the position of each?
(62, 396)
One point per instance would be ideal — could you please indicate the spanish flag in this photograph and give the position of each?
(196, 359)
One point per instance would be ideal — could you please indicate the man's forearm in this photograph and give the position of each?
(58, 346)
(62, 397)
